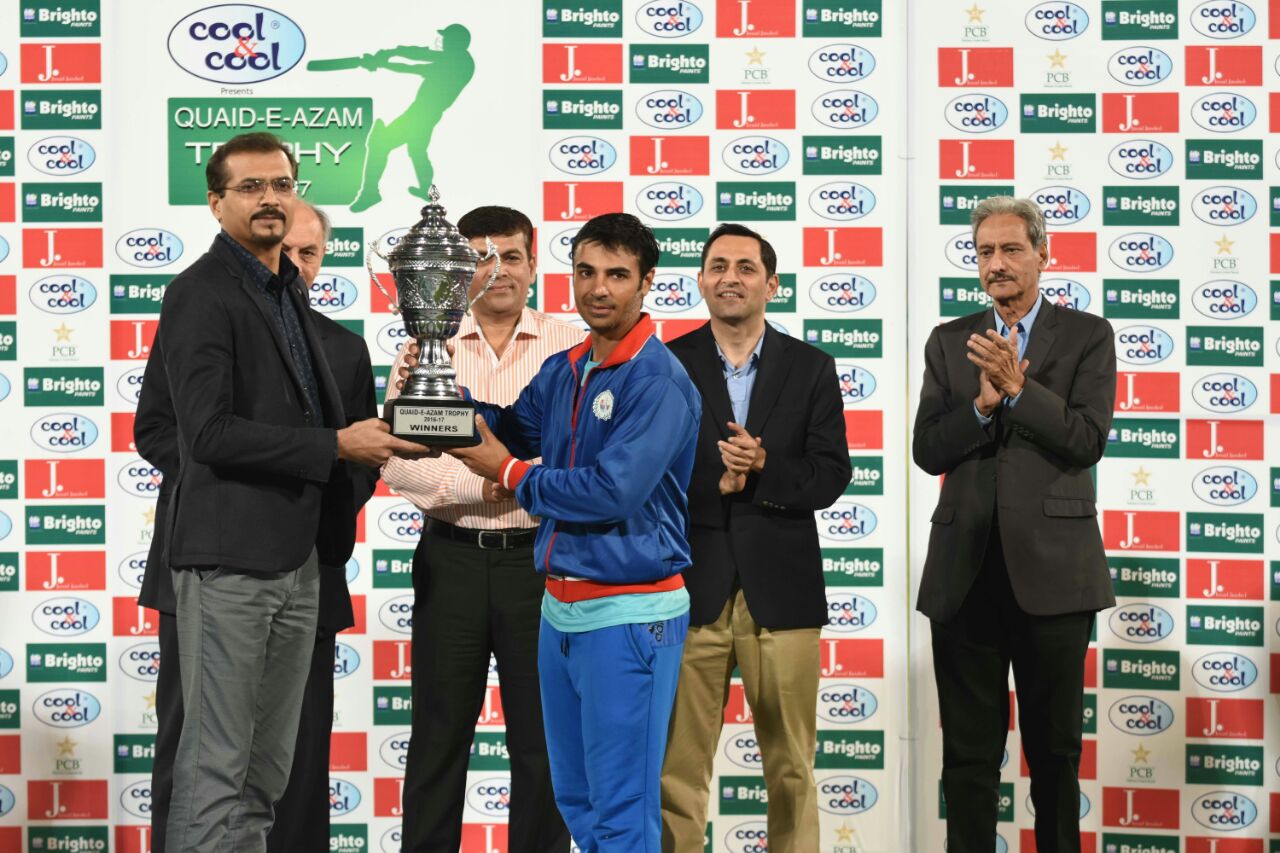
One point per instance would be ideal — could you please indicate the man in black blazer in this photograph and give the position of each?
(260, 427)
(302, 814)
(1014, 411)
(771, 452)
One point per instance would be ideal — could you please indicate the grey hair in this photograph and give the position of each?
(1007, 205)
(323, 217)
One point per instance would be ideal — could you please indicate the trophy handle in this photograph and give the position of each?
(368, 265)
(491, 251)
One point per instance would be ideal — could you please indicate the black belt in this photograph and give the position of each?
(489, 540)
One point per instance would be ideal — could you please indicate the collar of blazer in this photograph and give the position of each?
(329, 397)
(1042, 335)
(771, 374)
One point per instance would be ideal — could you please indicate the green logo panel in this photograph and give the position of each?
(1059, 113)
(842, 155)
(1139, 19)
(1142, 669)
(1141, 206)
(846, 338)
(853, 566)
(1146, 577)
(1216, 159)
(582, 19)
(327, 134)
(571, 109)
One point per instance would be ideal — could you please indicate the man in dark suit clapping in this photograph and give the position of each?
(1014, 410)
(771, 451)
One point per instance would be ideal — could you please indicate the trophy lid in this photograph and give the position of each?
(434, 240)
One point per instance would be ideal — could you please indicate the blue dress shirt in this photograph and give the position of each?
(1024, 335)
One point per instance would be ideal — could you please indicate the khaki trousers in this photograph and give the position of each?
(780, 679)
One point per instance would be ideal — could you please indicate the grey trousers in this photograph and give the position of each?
(244, 648)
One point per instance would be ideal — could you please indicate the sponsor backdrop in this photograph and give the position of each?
(779, 114)
(776, 114)
(1145, 131)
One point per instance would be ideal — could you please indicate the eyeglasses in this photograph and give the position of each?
(258, 187)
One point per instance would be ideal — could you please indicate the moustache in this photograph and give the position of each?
(268, 214)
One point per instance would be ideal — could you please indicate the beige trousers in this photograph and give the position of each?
(780, 679)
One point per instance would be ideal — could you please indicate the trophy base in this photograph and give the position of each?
(435, 423)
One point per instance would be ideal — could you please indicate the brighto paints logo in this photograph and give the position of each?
(236, 43)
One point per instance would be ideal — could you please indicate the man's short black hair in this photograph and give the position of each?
(493, 220)
(616, 231)
(215, 171)
(732, 229)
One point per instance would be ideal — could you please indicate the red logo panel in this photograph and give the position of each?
(853, 658)
(1224, 65)
(484, 838)
(864, 430)
(61, 248)
(358, 603)
(66, 62)
(1129, 530)
(755, 109)
(670, 155)
(1225, 845)
(1224, 718)
(8, 294)
(349, 752)
(491, 713)
(122, 433)
(1225, 440)
(1140, 808)
(133, 839)
(975, 66)
(132, 339)
(737, 711)
(1230, 580)
(755, 18)
(64, 479)
(557, 294)
(8, 202)
(392, 660)
(67, 799)
(1072, 252)
(581, 63)
(1027, 841)
(66, 571)
(1147, 392)
(387, 796)
(975, 159)
(1139, 112)
(669, 330)
(843, 247)
(130, 619)
(579, 201)
(10, 754)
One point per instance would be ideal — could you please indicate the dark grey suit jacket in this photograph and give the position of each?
(1030, 468)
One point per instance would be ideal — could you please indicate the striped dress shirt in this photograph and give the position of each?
(443, 488)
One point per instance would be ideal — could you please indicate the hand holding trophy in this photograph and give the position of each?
(433, 267)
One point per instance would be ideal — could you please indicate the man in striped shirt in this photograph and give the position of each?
(475, 588)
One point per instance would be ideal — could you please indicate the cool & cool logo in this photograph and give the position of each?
(856, 383)
(1141, 715)
(1224, 485)
(64, 432)
(668, 19)
(673, 293)
(61, 155)
(1141, 623)
(1223, 112)
(66, 617)
(845, 292)
(331, 293)
(842, 63)
(1143, 345)
(63, 294)
(976, 113)
(583, 155)
(1224, 392)
(846, 703)
(1141, 252)
(670, 201)
(845, 109)
(1224, 299)
(756, 155)
(397, 614)
(402, 522)
(149, 247)
(66, 708)
(141, 662)
(1140, 159)
(669, 109)
(1140, 66)
(846, 521)
(842, 201)
(1225, 672)
(236, 43)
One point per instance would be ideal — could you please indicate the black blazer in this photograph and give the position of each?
(347, 490)
(1031, 466)
(765, 535)
(251, 470)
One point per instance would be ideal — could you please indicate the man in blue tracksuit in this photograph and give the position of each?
(615, 420)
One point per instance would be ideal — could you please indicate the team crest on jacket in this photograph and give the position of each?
(602, 406)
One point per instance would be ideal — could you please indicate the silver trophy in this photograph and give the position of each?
(433, 267)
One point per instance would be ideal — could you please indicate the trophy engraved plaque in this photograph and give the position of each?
(433, 267)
